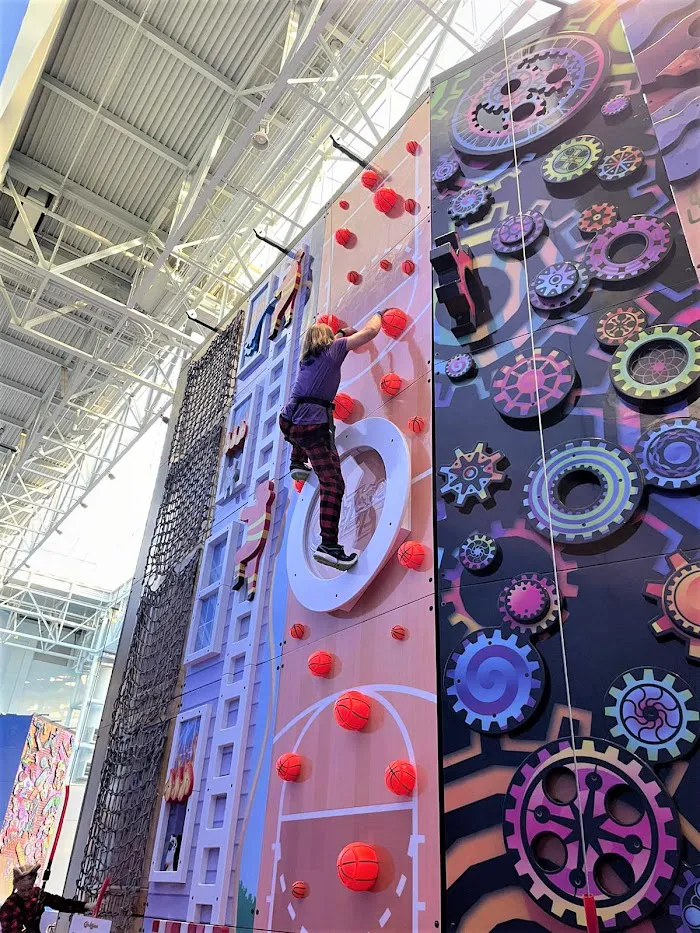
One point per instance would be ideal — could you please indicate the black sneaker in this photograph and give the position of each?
(333, 555)
(300, 471)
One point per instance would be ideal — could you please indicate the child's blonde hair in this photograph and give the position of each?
(316, 339)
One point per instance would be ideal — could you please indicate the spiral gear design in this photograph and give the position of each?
(445, 170)
(614, 470)
(616, 106)
(529, 603)
(556, 280)
(517, 231)
(473, 475)
(658, 242)
(470, 203)
(478, 552)
(684, 902)
(619, 324)
(572, 159)
(677, 596)
(547, 376)
(496, 678)
(597, 218)
(460, 366)
(535, 805)
(653, 713)
(658, 363)
(621, 164)
(568, 298)
(669, 453)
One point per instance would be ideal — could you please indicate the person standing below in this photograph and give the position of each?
(307, 424)
(22, 911)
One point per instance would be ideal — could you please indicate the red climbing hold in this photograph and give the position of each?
(332, 321)
(411, 554)
(398, 632)
(408, 266)
(416, 424)
(409, 205)
(358, 866)
(385, 264)
(351, 710)
(393, 322)
(384, 199)
(320, 663)
(288, 766)
(369, 178)
(412, 146)
(343, 236)
(400, 777)
(343, 405)
(343, 204)
(390, 383)
(300, 889)
(298, 484)
(353, 277)
(297, 630)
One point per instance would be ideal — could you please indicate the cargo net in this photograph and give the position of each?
(118, 841)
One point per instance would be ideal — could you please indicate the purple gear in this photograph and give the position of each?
(657, 245)
(469, 203)
(568, 298)
(460, 366)
(556, 280)
(445, 170)
(546, 377)
(529, 603)
(536, 804)
(478, 552)
(684, 902)
(516, 231)
(621, 164)
(616, 106)
(669, 453)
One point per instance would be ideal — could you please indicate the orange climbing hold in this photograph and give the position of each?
(400, 777)
(398, 632)
(343, 405)
(411, 554)
(410, 205)
(416, 424)
(408, 266)
(369, 178)
(358, 866)
(390, 383)
(385, 264)
(300, 889)
(393, 322)
(351, 710)
(353, 277)
(297, 630)
(385, 199)
(412, 146)
(332, 321)
(320, 663)
(288, 766)
(343, 236)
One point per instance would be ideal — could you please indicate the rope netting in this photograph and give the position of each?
(118, 840)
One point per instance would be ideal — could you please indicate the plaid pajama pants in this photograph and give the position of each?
(314, 442)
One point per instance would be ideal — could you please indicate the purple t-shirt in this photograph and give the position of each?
(318, 376)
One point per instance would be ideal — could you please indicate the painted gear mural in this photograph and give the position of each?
(677, 596)
(446, 169)
(529, 603)
(556, 302)
(542, 85)
(517, 386)
(478, 552)
(621, 164)
(556, 280)
(669, 453)
(496, 678)
(572, 159)
(473, 474)
(653, 713)
(650, 846)
(597, 217)
(516, 231)
(470, 203)
(656, 245)
(613, 470)
(617, 106)
(460, 366)
(659, 363)
(684, 902)
(619, 324)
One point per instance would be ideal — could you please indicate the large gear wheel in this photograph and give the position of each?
(684, 902)
(556, 280)
(659, 363)
(590, 461)
(677, 596)
(470, 204)
(597, 217)
(547, 378)
(529, 603)
(621, 164)
(653, 713)
(669, 453)
(571, 295)
(619, 324)
(497, 678)
(582, 814)
(473, 475)
(479, 552)
(572, 159)
(656, 244)
(541, 86)
(517, 232)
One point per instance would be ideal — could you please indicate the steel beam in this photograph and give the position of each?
(19, 387)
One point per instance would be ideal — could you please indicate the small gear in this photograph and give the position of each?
(684, 902)
(677, 596)
(657, 244)
(478, 552)
(460, 366)
(659, 363)
(556, 280)
(653, 713)
(619, 324)
(532, 383)
(669, 453)
(497, 679)
(556, 302)
(470, 203)
(518, 231)
(473, 474)
(597, 217)
(617, 106)
(445, 170)
(621, 164)
(572, 159)
(529, 603)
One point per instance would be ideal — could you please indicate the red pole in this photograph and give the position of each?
(47, 870)
(592, 925)
(100, 897)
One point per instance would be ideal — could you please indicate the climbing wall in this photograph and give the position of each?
(567, 445)
(307, 729)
